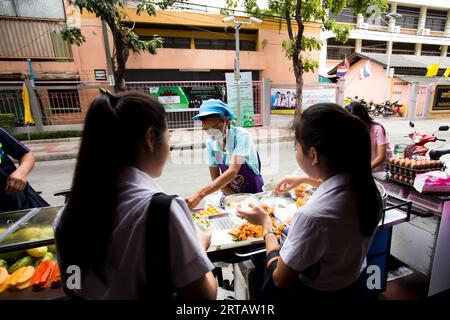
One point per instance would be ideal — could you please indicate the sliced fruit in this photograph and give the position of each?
(3, 275)
(26, 276)
(37, 252)
(14, 278)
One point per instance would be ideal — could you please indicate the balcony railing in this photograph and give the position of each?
(339, 53)
(36, 39)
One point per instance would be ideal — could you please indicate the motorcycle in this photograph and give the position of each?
(391, 108)
(418, 149)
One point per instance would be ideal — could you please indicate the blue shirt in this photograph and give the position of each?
(239, 143)
(9, 147)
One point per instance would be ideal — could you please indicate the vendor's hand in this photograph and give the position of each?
(255, 215)
(204, 238)
(16, 182)
(288, 183)
(193, 200)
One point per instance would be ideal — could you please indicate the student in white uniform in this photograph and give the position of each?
(324, 252)
(102, 229)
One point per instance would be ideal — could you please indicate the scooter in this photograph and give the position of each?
(391, 108)
(418, 149)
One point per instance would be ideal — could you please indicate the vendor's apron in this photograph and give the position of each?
(246, 180)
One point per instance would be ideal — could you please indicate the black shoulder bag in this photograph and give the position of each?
(157, 249)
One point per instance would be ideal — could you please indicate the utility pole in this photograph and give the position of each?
(109, 61)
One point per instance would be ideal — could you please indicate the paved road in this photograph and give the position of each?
(184, 173)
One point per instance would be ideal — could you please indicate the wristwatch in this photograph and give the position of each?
(268, 231)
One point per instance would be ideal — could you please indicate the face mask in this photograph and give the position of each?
(215, 134)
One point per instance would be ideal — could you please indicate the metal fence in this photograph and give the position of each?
(67, 103)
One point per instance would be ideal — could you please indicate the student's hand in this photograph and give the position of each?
(193, 200)
(255, 215)
(16, 182)
(204, 238)
(288, 183)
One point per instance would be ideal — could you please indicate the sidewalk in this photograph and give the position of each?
(279, 131)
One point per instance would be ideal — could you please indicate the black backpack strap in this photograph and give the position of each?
(157, 248)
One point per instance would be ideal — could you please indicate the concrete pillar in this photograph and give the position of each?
(389, 46)
(444, 50)
(266, 102)
(418, 49)
(412, 101)
(393, 7)
(359, 19)
(422, 18)
(447, 25)
(358, 45)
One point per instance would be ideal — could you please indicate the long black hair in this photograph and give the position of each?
(343, 142)
(114, 132)
(359, 110)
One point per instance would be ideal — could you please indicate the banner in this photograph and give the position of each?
(246, 94)
(283, 100)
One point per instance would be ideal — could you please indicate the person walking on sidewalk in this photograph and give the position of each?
(15, 192)
(234, 163)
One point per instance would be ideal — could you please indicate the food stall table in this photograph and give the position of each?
(423, 242)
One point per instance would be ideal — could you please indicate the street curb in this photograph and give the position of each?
(52, 157)
(179, 147)
(42, 141)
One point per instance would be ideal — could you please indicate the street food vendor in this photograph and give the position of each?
(15, 192)
(233, 161)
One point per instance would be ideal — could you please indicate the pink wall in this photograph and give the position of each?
(277, 67)
(371, 88)
(195, 59)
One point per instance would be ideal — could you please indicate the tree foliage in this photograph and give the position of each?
(294, 14)
(122, 28)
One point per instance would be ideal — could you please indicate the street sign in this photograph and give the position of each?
(100, 74)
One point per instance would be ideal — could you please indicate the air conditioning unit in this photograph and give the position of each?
(423, 32)
(395, 29)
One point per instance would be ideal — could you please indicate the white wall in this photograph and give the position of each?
(438, 4)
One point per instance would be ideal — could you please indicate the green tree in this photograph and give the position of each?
(295, 13)
(112, 12)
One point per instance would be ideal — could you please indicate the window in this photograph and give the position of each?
(347, 15)
(373, 46)
(431, 50)
(403, 48)
(47, 9)
(338, 50)
(173, 42)
(64, 101)
(224, 44)
(436, 20)
(409, 18)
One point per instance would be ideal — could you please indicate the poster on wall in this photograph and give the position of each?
(246, 94)
(283, 100)
(186, 97)
(442, 98)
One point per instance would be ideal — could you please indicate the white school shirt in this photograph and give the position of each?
(125, 267)
(325, 243)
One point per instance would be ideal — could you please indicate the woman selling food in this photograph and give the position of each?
(233, 161)
(324, 252)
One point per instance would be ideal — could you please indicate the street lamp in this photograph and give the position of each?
(393, 16)
(237, 71)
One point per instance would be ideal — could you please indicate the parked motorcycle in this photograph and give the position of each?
(418, 149)
(391, 109)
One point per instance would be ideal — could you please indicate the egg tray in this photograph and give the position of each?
(411, 173)
(389, 178)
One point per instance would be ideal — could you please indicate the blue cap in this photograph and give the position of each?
(214, 106)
